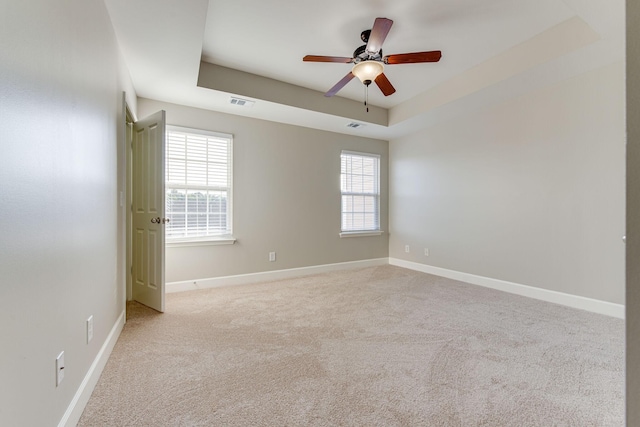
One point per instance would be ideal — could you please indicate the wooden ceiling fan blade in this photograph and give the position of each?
(346, 79)
(385, 85)
(379, 32)
(415, 57)
(320, 58)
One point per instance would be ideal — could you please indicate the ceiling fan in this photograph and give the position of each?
(369, 61)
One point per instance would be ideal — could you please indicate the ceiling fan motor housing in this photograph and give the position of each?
(361, 54)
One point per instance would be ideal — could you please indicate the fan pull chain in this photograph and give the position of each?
(366, 97)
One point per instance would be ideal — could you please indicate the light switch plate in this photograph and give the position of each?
(89, 329)
(59, 368)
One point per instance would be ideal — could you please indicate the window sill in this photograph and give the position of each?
(361, 233)
(209, 241)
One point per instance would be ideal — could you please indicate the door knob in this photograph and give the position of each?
(155, 220)
(165, 220)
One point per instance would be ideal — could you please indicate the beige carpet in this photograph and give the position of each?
(379, 346)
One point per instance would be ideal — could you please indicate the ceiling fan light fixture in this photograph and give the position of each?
(369, 60)
(367, 71)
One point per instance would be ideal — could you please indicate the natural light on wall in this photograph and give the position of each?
(198, 184)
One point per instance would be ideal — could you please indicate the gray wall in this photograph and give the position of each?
(633, 213)
(530, 191)
(61, 82)
(286, 197)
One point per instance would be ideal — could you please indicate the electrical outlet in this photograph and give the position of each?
(89, 329)
(426, 251)
(406, 248)
(59, 368)
(272, 256)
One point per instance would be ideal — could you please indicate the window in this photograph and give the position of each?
(360, 187)
(198, 185)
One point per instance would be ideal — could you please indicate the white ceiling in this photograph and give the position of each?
(487, 46)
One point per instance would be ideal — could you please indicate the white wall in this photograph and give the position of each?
(286, 197)
(633, 213)
(530, 191)
(61, 83)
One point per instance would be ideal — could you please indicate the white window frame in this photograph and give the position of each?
(217, 239)
(364, 232)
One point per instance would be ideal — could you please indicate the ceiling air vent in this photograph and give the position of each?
(354, 125)
(241, 102)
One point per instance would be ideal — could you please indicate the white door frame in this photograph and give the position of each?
(130, 119)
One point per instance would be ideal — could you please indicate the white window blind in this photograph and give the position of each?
(198, 184)
(360, 187)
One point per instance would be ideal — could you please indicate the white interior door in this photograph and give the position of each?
(148, 211)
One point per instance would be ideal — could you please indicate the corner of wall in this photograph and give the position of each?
(79, 402)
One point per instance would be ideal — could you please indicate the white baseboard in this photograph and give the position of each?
(575, 301)
(79, 401)
(243, 279)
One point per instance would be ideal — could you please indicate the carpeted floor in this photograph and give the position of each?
(380, 346)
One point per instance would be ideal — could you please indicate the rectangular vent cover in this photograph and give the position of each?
(354, 125)
(241, 102)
